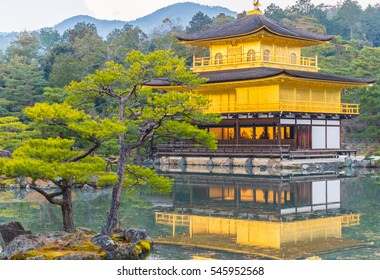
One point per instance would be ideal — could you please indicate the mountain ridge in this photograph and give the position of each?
(180, 13)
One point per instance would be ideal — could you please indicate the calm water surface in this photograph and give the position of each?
(231, 216)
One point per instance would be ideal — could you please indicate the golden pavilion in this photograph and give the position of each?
(266, 92)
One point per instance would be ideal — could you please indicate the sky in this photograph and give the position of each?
(18, 15)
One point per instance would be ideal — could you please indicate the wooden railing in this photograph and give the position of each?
(349, 220)
(246, 60)
(224, 150)
(284, 106)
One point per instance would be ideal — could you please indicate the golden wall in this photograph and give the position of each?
(275, 98)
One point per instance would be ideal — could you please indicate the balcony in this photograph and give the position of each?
(248, 60)
(284, 106)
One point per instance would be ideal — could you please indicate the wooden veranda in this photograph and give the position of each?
(245, 151)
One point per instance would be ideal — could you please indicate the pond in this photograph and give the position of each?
(231, 216)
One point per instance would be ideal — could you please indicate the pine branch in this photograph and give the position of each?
(49, 196)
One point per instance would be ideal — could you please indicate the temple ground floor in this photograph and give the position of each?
(282, 135)
(299, 131)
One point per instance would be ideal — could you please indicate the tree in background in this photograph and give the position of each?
(348, 20)
(275, 12)
(144, 112)
(25, 46)
(120, 42)
(48, 39)
(22, 80)
(200, 22)
(371, 19)
(164, 37)
(81, 53)
(220, 20)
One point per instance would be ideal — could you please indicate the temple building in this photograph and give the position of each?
(266, 92)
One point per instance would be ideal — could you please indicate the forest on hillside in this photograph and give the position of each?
(38, 66)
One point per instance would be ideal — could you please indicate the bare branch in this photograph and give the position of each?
(107, 91)
(50, 197)
(131, 93)
(86, 153)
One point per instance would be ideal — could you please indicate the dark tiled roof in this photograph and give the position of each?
(251, 24)
(265, 72)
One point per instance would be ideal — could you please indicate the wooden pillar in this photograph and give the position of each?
(296, 197)
(237, 132)
(279, 131)
(173, 229)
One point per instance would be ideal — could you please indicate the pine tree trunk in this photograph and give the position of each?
(113, 216)
(67, 210)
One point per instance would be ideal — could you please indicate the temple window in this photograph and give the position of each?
(246, 194)
(218, 59)
(287, 132)
(266, 55)
(246, 133)
(251, 56)
(265, 132)
(223, 133)
(293, 58)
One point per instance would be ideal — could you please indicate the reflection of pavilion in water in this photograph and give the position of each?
(270, 217)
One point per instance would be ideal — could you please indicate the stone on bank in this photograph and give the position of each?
(84, 244)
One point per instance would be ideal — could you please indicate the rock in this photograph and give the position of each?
(263, 168)
(135, 235)
(249, 163)
(122, 253)
(105, 242)
(28, 242)
(22, 243)
(348, 162)
(10, 231)
(88, 187)
(132, 252)
(78, 256)
(229, 162)
(85, 230)
(5, 154)
(182, 162)
(306, 167)
(49, 237)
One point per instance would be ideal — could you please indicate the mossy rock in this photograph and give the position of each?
(79, 246)
(62, 249)
(144, 246)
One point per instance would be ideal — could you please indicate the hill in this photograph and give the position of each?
(103, 26)
(6, 39)
(180, 13)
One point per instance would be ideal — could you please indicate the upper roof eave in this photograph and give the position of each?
(242, 75)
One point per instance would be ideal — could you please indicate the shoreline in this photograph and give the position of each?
(208, 164)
